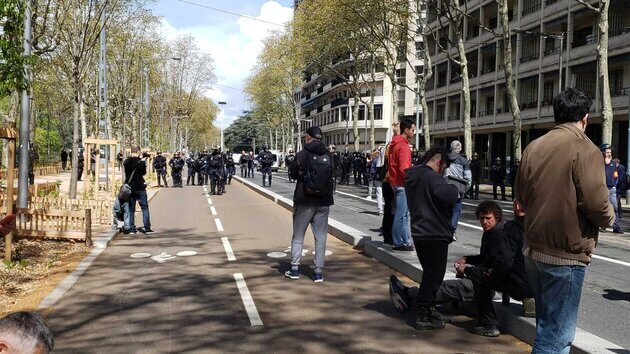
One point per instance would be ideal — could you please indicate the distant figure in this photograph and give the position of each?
(25, 332)
(64, 159)
(32, 157)
(497, 175)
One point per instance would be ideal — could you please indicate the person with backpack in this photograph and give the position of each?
(312, 198)
(135, 168)
(266, 161)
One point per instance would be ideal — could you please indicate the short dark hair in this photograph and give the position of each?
(29, 326)
(428, 156)
(489, 207)
(406, 123)
(135, 149)
(570, 105)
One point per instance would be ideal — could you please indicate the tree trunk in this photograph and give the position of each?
(74, 176)
(466, 95)
(509, 78)
(602, 61)
(355, 123)
(427, 74)
(82, 118)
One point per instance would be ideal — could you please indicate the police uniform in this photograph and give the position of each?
(159, 165)
(177, 164)
(266, 161)
(190, 163)
(214, 168)
(346, 163)
(287, 162)
(229, 167)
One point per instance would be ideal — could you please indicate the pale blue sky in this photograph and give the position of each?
(233, 41)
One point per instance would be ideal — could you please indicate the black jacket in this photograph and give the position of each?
(134, 163)
(495, 258)
(297, 170)
(513, 231)
(430, 199)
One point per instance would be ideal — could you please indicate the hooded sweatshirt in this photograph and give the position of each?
(399, 160)
(297, 170)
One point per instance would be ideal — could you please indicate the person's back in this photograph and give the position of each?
(297, 171)
(131, 164)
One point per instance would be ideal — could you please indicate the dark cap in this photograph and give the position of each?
(604, 147)
(314, 132)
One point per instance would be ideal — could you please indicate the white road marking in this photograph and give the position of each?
(475, 205)
(248, 301)
(470, 225)
(213, 210)
(611, 260)
(276, 254)
(219, 225)
(205, 189)
(228, 248)
(209, 201)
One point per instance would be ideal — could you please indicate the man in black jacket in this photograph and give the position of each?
(159, 165)
(430, 199)
(135, 169)
(177, 165)
(312, 168)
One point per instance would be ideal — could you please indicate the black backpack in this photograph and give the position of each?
(266, 159)
(215, 161)
(318, 176)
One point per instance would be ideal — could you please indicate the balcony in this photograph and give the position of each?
(531, 8)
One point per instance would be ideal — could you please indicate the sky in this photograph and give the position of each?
(234, 42)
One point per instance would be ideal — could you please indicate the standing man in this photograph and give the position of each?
(229, 166)
(431, 201)
(622, 185)
(459, 169)
(358, 166)
(266, 161)
(313, 196)
(475, 169)
(177, 165)
(399, 160)
(135, 169)
(64, 159)
(612, 182)
(159, 165)
(288, 160)
(388, 194)
(564, 208)
(190, 163)
(250, 165)
(119, 160)
(80, 163)
(242, 162)
(346, 163)
(497, 175)
(215, 164)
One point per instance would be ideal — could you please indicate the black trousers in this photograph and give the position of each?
(190, 177)
(388, 217)
(161, 176)
(500, 184)
(432, 256)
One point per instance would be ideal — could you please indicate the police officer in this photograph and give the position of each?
(358, 166)
(190, 163)
(497, 175)
(288, 160)
(214, 168)
(177, 164)
(159, 165)
(230, 169)
(201, 164)
(266, 161)
(346, 163)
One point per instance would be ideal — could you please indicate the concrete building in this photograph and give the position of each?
(544, 32)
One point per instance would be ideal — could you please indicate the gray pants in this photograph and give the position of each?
(317, 217)
(450, 290)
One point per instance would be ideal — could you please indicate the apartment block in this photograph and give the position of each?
(554, 46)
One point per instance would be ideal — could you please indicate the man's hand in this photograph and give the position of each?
(460, 265)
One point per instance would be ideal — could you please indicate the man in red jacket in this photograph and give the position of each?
(400, 160)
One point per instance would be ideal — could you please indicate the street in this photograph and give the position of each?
(231, 296)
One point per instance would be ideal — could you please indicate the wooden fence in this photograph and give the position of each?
(101, 209)
(55, 224)
(38, 171)
(36, 190)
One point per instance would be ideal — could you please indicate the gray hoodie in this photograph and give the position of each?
(460, 168)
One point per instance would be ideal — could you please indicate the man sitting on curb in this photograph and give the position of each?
(493, 269)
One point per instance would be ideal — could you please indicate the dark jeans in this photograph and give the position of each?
(190, 177)
(500, 184)
(177, 178)
(388, 216)
(141, 198)
(64, 164)
(161, 176)
(250, 171)
(432, 256)
(266, 171)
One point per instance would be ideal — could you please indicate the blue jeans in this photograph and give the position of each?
(141, 198)
(457, 211)
(557, 290)
(612, 198)
(400, 227)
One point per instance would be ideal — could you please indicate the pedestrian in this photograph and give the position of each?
(565, 199)
(358, 166)
(266, 159)
(64, 159)
(388, 193)
(312, 198)
(475, 170)
(33, 156)
(135, 169)
(190, 163)
(346, 166)
(288, 160)
(250, 165)
(459, 169)
(376, 170)
(93, 158)
(201, 167)
(215, 165)
(177, 165)
(514, 175)
(159, 166)
(622, 185)
(25, 332)
(612, 182)
(119, 160)
(336, 159)
(230, 169)
(80, 164)
(497, 175)
(242, 162)
(399, 160)
(431, 199)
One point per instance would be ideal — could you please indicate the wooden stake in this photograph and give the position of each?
(8, 239)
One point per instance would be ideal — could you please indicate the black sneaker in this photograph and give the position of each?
(425, 321)
(435, 314)
(486, 330)
(149, 231)
(403, 248)
(398, 295)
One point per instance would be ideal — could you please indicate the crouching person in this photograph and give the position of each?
(494, 269)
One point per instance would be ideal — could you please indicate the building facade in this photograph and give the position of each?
(554, 47)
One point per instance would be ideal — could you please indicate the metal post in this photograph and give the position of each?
(103, 98)
(628, 152)
(560, 88)
(146, 107)
(417, 113)
(22, 202)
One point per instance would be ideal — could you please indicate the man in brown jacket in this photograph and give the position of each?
(565, 198)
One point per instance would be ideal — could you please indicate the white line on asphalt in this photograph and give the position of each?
(470, 225)
(228, 249)
(475, 205)
(611, 260)
(209, 201)
(213, 210)
(219, 225)
(205, 189)
(248, 301)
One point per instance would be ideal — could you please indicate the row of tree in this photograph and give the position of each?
(351, 41)
(156, 87)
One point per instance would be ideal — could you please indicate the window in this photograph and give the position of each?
(440, 113)
(548, 93)
(490, 105)
(401, 76)
(530, 6)
(616, 82)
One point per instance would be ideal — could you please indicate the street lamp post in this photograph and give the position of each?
(222, 104)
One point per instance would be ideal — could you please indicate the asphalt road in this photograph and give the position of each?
(605, 301)
(232, 296)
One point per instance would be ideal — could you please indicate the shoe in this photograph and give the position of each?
(425, 321)
(435, 314)
(293, 274)
(529, 307)
(617, 232)
(404, 248)
(485, 330)
(318, 278)
(149, 231)
(130, 232)
(398, 295)
(454, 238)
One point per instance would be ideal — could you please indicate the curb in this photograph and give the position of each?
(99, 244)
(407, 263)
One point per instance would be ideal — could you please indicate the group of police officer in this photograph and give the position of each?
(216, 167)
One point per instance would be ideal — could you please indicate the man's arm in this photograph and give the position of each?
(592, 193)
(443, 192)
(294, 168)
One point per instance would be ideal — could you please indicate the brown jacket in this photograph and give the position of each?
(562, 187)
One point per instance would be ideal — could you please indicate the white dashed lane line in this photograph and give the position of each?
(248, 301)
(213, 210)
(219, 225)
(228, 249)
